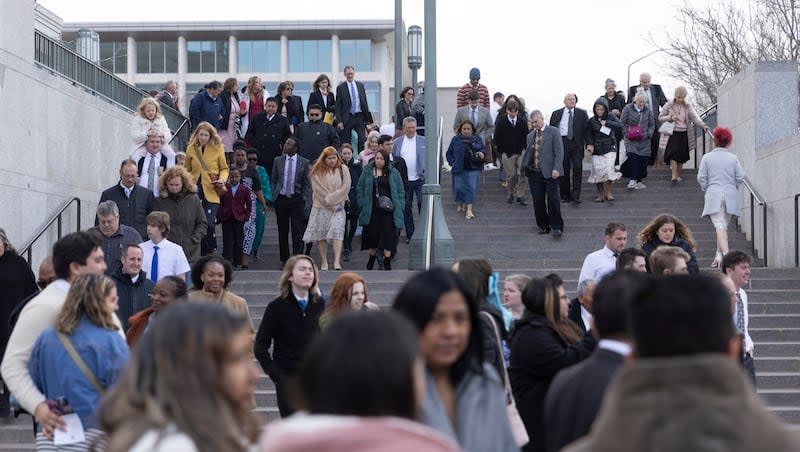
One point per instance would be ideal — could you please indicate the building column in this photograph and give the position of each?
(233, 56)
(284, 57)
(335, 69)
(131, 52)
(181, 81)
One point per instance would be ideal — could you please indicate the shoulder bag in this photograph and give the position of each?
(220, 189)
(384, 202)
(81, 365)
(514, 420)
(667, 128)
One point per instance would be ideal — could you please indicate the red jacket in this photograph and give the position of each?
(236, 207)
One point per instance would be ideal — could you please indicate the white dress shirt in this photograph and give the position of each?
(171, 259)
(494, 108)
(408, 150)
(143, 178)
(615, 346)
(586, 316)
(748, 341)
(598, 264)
(126, 190)
(563, 126)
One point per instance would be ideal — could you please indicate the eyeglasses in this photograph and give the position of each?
(252, 159)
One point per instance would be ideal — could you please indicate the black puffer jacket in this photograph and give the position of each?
(603, 144)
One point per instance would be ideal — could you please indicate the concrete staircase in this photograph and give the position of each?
(506, 235)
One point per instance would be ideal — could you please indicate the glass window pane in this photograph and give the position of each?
(363, 51)
(171, 56)
(295, 56)
(107, 55)
(302, 89)
(191, 90)
(273, 56)
(157, 57)
(194, 49)
(347, 54)
(245, 50)
(309, 56)
(121, 60)
(222, 56)
(260, 56)
(143, 57)
(324, 59)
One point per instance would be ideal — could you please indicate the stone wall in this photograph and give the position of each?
(760, 106)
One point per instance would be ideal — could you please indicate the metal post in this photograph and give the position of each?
(398, 53)
(434, 226)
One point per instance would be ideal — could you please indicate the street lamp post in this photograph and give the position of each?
(398, 49)
(638, 60)
(414, 52)
(432, 244)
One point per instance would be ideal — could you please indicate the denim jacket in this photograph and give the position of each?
(56, 374)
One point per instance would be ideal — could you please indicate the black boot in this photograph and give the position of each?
(371, 262)
(387, 263)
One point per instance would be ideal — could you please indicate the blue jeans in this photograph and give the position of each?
(414, 187)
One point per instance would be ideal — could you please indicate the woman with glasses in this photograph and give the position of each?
(289, 105)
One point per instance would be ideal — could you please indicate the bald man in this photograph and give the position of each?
(46, 273)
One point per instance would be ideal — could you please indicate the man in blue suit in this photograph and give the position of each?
(411, 148)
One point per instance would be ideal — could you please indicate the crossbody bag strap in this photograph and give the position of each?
(80, 363)
(500, 351)
(202, 162)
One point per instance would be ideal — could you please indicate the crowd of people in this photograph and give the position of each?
(132, 337)
(457, 362)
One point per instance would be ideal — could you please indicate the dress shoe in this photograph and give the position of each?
(510, 199)
(575, 201)
(544, 231)
(557, 233)
(371, 263)
(346, 256)
(522, 202)
(387, 263)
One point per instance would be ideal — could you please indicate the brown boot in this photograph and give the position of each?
(608, 195)
(600, 193)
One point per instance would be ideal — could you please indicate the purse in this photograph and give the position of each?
(220, 189)
(514, 420)
(667, 128)
(635, 132)
(384, 202)
(81, 365)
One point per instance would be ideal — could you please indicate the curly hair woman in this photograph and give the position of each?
(666, 229)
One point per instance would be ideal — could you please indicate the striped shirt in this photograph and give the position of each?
(462, 98)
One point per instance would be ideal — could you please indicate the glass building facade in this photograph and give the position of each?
(259, 56)
(207, 56)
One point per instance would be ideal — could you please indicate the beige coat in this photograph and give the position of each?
(669, 109)
(330, 189)
(687, 403)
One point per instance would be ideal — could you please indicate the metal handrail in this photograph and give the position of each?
(796, 233)
(429, 218)
(55, 217)
(755, 198)
(60, 59)
(703, 116)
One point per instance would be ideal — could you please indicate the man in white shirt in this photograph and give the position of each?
(73, 255)
(411, 148)
(160, 256)
(153, 163)
(580, 307)
(736, 264)
(604, 261)
(496, 105)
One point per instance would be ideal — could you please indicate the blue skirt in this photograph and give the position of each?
(465, 186)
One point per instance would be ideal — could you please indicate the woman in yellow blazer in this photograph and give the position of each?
(205, 161)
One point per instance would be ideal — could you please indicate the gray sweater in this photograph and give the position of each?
(481, 422)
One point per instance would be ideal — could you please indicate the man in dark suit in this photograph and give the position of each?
(267, 132)
(655, 100)
(134, 201)
(352, 109)
(542, 164)
(315, 135)
(169, 97)
(571, 123)
(575, 396)
(510, 135)
(580, 307)
(291, 190)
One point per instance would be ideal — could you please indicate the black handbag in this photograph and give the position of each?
(384, 202)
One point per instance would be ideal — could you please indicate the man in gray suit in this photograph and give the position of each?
(411, 148)
(480, 117)
(292, 191)
(543, 163)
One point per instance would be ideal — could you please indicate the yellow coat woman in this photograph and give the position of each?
(205, 161)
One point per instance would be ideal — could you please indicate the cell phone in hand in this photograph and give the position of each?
(60, 406)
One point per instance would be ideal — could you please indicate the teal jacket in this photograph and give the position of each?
(366, 187)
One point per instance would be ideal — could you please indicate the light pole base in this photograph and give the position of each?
(442, 250)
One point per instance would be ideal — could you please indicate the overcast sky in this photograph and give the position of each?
(539, 50)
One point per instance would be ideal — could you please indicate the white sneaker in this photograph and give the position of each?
(489, 166)
(632, 184)
(639, 186)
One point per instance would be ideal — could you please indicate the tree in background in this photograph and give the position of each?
(721, 38)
